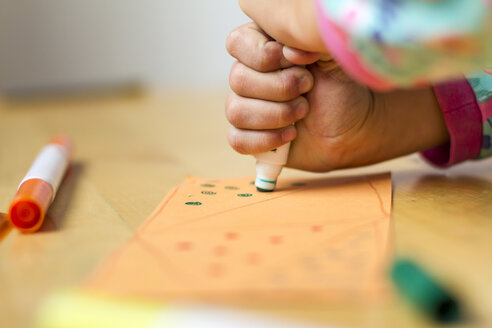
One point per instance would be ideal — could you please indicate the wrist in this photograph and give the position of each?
(414, 121)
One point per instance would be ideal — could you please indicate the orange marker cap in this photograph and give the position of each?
(30, 204)
(38, 188)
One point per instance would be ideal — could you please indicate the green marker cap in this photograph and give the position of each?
(424, 292)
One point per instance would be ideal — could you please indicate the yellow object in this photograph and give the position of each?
(77, 309)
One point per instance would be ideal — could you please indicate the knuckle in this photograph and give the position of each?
(269, 58)
(237, 77)
(233, 111)
(236, 142)
(232, 41)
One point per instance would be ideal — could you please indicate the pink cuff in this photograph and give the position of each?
(337, 42)
(463, 120)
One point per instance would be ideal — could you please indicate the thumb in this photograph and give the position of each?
(300, 57)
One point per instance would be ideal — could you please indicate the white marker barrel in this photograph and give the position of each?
(49, 166)
(269, 165)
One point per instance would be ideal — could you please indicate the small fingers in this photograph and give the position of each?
(281, 85)
(258, 141)
(256, 114)
(251, 46)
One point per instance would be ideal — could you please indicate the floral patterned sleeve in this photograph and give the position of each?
(389, 44)
(481, 84)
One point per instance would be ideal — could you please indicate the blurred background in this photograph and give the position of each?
(59, 44)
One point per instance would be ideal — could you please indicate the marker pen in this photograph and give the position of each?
(425, 292)
(38, 188)
(268, 167)
(82, 309)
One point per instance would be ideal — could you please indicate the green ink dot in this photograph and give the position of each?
(207, 185)
(193, 203)
(299, 184)
(252, 182)
(231, 187)
(207, 192)
(245, 195)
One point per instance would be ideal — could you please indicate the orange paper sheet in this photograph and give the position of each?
(223, 240)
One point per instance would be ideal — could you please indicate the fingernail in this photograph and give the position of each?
(301, 110)
(293, 51)
(289, 134)
(304, 84)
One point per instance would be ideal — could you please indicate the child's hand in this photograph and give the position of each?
(338, 124)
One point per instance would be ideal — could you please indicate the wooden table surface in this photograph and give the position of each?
(132, 149)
